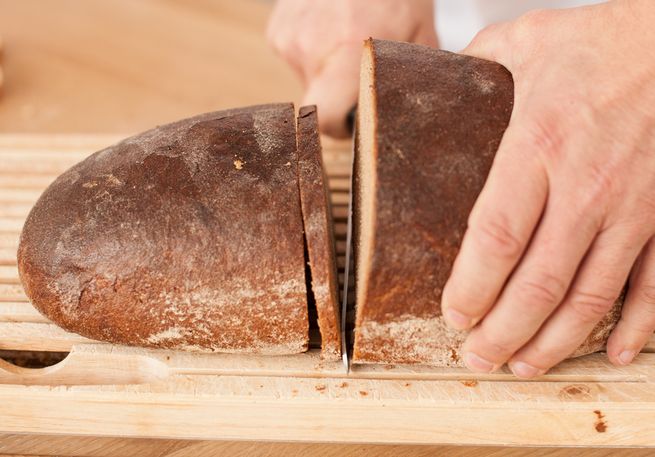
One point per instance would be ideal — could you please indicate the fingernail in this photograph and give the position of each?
(626, 357)
(476, 363)
(457, 320)
(525, 370)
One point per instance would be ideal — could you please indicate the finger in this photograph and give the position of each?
(537, 286)
(282, 37)
(334, 90)
(500, 227)
(426, 32)
(289, 51)
(637, 322)
(491, 43)
(596, 287)
(427, 35)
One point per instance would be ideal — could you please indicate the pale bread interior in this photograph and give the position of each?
(366, 171)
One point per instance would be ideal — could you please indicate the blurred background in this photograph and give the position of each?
(123, 66)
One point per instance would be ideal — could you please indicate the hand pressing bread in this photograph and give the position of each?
(568, 211)
(322, 41)
(429, 125)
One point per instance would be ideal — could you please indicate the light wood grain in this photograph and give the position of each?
(120, 447)
(124, 66)
(376, 411)
(148, 393)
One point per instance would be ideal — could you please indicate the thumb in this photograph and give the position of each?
(491, 43)
(334, 89)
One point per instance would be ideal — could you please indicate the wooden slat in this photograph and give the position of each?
(8, 274)
(12, 293)
(12, 209)
(11, 224)
(16, 181)
(339, 183)
(35, 168)
(7, 256)
(155, 365)
(9, 240)
(56, 144)
(19, 195)
(37, 336)
(22, 312)
(42, 156)
(589, 368)
(374, 411)
(95, 364)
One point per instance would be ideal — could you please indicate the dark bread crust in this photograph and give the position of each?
(187, 236)
(439, 119)
(317, 218)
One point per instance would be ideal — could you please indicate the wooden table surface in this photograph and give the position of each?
(123, 66)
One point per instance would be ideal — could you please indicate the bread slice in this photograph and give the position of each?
(429, 125)
(319, 236)
(188, 236)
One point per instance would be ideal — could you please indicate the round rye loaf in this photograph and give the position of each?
(188, 236)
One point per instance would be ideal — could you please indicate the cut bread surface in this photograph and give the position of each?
(365, 188)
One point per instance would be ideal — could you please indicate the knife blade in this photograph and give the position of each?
(352, 126)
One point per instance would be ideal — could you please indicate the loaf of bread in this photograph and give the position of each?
(214, 233)
(188, 236)
(319, 236)
(429, 125)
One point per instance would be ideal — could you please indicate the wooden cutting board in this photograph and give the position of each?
(107, 390)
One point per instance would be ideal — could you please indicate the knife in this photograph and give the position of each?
(352, 127)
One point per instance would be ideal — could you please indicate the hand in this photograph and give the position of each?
(1, 75)
(322, 40)
(569, 205)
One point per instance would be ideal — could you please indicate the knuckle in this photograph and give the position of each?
(596, 194)
(642, 325)
(459, 296)
(543, 291)
(269, 33)
(276, 42)
(482, 35)
(646, 202)
(495, 348)
(532, 20)
(491, 38)
(602, 181)
(641, 319)
(591, 307)
(543, 136)
(500, 349)
(495, 237)
(646, 295)
(282, 43)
